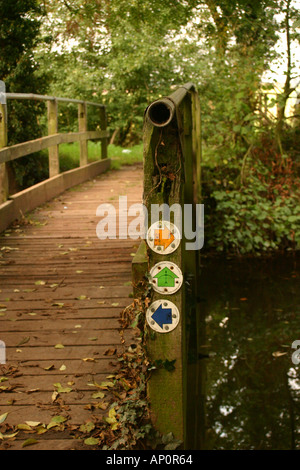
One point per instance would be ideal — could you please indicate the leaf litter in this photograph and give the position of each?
(122, 397)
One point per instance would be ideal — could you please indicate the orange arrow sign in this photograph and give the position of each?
(163, 237)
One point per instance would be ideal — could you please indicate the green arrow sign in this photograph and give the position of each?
(165, 278)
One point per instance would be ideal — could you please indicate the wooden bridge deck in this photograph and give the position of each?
(61, 293)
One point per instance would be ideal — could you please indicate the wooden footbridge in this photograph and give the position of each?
(63, 290)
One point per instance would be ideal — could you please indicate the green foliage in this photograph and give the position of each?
(262, 215)
(19, 29)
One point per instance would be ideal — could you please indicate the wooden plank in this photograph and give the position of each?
(26, 148)
(49, 353)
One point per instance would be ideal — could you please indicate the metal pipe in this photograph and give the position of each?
(161, 112)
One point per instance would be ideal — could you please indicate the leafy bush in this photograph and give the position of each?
(262, 215)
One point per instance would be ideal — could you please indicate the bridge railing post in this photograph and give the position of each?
(82, 127)
(172, 150)
(103, 127)
(53, 151)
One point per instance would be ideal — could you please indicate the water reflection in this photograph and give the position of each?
(252, 318)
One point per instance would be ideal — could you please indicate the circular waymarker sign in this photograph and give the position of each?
(162, 316)
(163, 237)
(166, 277)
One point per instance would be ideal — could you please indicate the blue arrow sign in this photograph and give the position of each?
(162, 316)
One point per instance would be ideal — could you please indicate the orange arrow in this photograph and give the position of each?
(163, 237)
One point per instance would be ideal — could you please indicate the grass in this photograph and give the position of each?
(69, 155)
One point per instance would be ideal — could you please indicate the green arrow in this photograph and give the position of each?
(165, 278)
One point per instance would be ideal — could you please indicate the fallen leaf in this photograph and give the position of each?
(40, 283)
(59, 346)
(110, 352)
(41, 429)
(87, 427)
(91, 441)
(24, 427)
(23, 341)
(54, 396)
(29, 442)
(98, 395)
(61, 389)
(105, 385)
(32, 424)
(9, 436)
(56, 421)
(278, 353)
(3, 417)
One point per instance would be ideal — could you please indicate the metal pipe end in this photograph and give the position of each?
(161, 112)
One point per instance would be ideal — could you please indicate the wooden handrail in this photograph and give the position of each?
(54, 138)
(32, 96)
(8, 154)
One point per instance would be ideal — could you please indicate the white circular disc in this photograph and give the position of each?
(162, 316)
(163, 237)
(166, 277)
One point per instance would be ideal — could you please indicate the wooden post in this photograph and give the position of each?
(171, 176)
(53, 129)
(4, 186)
(82, 125)
(103, 126)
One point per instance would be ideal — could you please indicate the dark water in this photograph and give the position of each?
(252, 316)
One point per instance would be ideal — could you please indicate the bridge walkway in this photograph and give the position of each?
(61, 293)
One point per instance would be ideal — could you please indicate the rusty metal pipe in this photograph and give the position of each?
(161, 112)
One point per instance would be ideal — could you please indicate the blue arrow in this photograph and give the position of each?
(162, 316)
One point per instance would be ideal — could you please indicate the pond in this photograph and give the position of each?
(252, 317)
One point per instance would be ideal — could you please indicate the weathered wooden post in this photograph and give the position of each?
(82, 125)
(53, 129)
(103, 126)
(172, 151)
